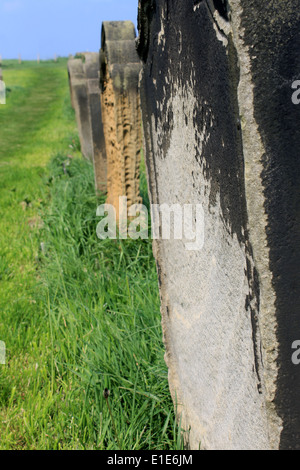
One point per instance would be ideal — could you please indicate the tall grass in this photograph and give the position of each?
(34, 124)
(102, 306)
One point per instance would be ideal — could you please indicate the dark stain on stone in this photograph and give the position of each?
(274, 41)
(212, 75)
(252, 305)
(222, 7)
(147, 10)
(216, 97)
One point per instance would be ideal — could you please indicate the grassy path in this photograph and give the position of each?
(33, 125)
(79, 315)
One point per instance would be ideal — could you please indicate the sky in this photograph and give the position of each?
(57, 27)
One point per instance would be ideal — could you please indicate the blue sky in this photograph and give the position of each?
(62, 27)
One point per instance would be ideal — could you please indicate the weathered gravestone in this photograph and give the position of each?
(119, 77)
(84, 72)
(92, 73)
(80, 103)
(221, 131)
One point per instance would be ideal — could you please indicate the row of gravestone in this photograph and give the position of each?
(104, 95)
(220, 136)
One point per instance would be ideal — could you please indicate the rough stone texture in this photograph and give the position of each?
(119, 77)
(221, 130)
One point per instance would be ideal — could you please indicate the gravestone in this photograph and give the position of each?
(119, 76)
(80, 103)
(92, 73)
(84, 74)
(221, 132)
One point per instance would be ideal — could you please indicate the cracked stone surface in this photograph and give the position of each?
(221, 131)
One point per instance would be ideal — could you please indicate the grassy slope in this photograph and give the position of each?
(80, 315)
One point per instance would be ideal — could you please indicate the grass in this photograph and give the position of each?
(78, 315)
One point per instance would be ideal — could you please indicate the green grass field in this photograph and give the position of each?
(78, 315)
